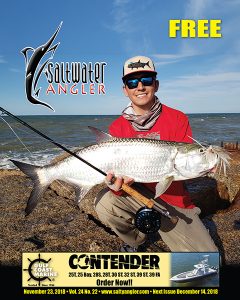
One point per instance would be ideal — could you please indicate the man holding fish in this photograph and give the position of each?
(147, 117)
(149, 146)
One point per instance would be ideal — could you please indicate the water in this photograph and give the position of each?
(72, 132)
(214, 128)
(182, 262)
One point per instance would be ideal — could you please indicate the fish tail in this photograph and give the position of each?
(40, 185)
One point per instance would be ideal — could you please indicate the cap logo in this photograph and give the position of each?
(138, 64)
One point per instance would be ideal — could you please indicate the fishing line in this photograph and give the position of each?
(148, 213)
(16, 135)
(52, 141)
(196, 142)
(18, 128)
(64, 187)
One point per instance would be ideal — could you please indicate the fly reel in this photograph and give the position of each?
(148, 220)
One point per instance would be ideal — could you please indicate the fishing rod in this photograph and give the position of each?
(51, 140)
(146, 218)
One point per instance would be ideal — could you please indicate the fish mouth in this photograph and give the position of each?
(211, 172)
(213, 169)
(204, 173)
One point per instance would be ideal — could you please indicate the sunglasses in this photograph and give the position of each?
(133, 83)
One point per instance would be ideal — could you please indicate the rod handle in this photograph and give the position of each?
(129, 190)
(146, 201)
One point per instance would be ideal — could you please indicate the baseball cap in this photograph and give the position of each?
(138, 64)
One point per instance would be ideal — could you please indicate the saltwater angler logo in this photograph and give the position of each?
(63, 78)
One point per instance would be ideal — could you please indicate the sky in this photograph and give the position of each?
(196, 75)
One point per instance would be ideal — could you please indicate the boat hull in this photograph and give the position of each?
(192, 278)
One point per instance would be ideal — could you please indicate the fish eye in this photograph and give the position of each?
(201, 150)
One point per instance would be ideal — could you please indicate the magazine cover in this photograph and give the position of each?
(119, 148)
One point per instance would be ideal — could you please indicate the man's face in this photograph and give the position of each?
(141, 95)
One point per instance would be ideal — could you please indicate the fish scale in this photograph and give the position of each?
(129, 157)
(144, 160)
(141, 159)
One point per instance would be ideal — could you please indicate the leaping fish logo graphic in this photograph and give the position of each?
(32, 65)
(138, 64)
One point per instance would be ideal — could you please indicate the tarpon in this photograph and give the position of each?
(145, 160)
(138, 64)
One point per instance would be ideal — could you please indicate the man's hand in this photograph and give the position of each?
(115, 183)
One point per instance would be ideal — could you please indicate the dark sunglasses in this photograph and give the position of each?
(133, 83)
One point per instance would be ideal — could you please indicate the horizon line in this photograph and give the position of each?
(190, 113)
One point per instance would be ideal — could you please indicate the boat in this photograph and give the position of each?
(201, 270)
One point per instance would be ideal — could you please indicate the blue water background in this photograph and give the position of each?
(73, 132)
